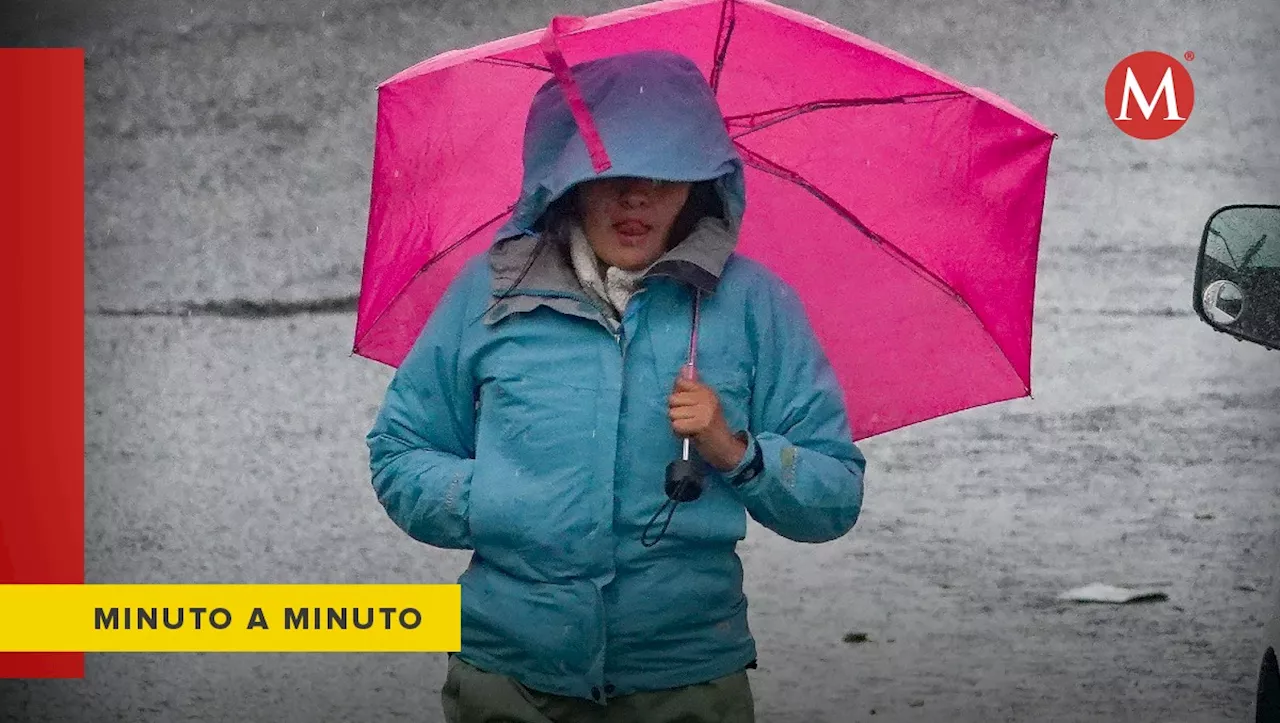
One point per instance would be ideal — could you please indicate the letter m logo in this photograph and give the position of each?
(1133, 90)
(1137, 88)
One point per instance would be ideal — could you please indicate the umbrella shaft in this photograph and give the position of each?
(693, 355)
(693, 331)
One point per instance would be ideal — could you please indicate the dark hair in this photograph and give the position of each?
(704, 200)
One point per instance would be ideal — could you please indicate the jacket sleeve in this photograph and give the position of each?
(802, 475)
(422, 444)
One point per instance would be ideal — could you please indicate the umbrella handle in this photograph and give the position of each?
(573, 95)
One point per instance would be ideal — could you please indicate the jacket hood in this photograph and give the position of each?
(657, 117)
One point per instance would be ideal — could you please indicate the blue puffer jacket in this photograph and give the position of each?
(535, 431)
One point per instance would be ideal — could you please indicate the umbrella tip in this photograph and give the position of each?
(566, 23)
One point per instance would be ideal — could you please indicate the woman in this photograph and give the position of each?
(535, 417)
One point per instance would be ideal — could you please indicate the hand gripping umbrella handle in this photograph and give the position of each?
(684, 479)
(560, 25)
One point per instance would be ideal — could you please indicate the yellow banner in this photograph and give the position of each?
(230, 618)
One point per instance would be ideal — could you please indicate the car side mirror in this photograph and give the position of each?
(1237, 286)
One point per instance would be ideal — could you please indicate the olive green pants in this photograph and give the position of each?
(471, 695)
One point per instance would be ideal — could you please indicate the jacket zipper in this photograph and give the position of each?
(620, 334)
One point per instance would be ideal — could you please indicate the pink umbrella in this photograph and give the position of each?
(903, 206)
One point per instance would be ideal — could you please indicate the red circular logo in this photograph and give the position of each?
(1149, 95)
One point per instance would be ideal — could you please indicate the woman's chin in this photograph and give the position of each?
(636, 242)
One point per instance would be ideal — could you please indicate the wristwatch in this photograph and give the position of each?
(753, 465)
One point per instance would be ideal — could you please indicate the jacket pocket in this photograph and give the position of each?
(534, 509)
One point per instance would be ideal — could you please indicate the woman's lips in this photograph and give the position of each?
(632, 229)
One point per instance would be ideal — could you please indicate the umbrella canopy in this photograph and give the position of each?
(903, 206)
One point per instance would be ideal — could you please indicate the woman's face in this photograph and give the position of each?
(628, 220)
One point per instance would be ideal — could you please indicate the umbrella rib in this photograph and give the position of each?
(752, 122)
(515, 64)
(765, 165)
(434, 258)
(728, 18)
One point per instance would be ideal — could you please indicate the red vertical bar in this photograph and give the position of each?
(42, 347)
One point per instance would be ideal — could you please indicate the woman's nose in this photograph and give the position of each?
(635, 193)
